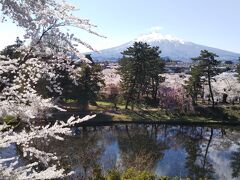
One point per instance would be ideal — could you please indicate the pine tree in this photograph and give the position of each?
(84, 91)
(139, 69)
(194, 85)
(154, 79)
(208, 66)
(88, 84)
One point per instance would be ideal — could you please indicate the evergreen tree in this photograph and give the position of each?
(139, 69)
(195, 83)
(156, 67)
(207, 64)
(88, 84)
(84, 90)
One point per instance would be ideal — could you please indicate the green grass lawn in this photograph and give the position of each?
(122, 114)
(109, 104)
(225, 113)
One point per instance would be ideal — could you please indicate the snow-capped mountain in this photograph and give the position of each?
(171, 47)
(156, 36)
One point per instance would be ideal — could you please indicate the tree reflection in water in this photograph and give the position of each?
(80, 153)
(235, 163)
(145, 147)
(140, 148)
(197, 161)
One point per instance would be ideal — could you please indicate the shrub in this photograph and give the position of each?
(113, 175)
(133, 174)
(97, 173)
(9, 119)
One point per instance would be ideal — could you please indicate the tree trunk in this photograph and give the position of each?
(210, 90)
(130, 93)
(127, 102)
(129, 97)
(194, 95)
(224, 99)
(202, 94)
(139, 93)
(155, 88)
(206, 152)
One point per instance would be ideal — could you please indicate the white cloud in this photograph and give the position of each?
(155, 29)
(157, 36)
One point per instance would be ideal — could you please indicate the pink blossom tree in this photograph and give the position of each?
(50, 49)
(175, 99)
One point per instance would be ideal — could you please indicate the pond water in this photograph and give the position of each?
(183, 151)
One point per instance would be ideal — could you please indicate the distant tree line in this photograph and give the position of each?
(140, 69)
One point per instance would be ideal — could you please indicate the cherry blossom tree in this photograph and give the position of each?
(51, 48)
(44, 21)
(12, 168)
(175, 99)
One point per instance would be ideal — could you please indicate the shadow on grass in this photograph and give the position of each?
(107, 115)
(218, 114)
(142, 115)
(101, 117)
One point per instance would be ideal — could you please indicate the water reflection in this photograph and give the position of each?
(197, 162)
(166, 150)
(235, 163)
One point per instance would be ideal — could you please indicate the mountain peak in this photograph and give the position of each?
(170, 46)
(157, 36)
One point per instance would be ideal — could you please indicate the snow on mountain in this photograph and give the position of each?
(156, 36)
(170, 46)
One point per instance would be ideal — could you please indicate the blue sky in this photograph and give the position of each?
(209, 22)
